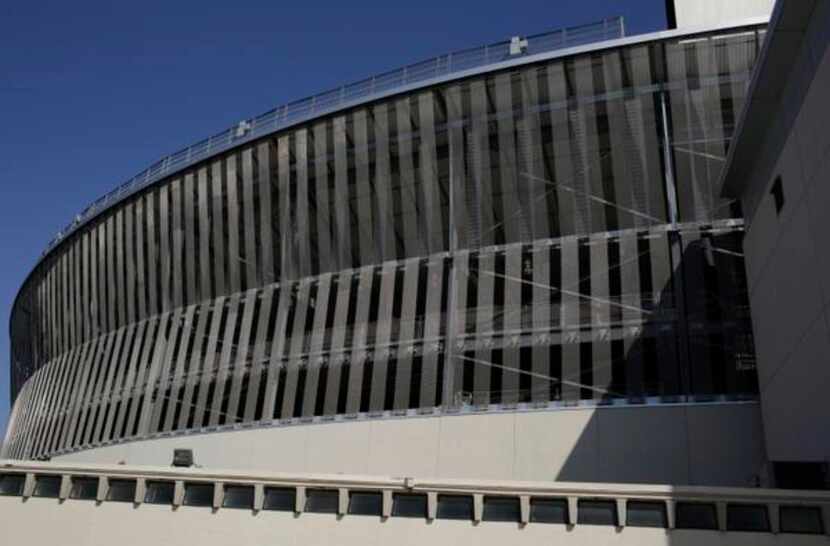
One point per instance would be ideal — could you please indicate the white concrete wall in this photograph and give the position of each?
(39, 521)
(788, 264)
(717, 444)
(695, 13)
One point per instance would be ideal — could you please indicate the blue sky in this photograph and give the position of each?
(93, 92)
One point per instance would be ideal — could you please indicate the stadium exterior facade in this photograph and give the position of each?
(520, 236)
(518, 268)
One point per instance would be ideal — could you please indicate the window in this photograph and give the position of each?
(801, 519)
(238, 496)
(364, 503)
(280, 498)
(47, 486)
(696, 515)
(198, 494)
(159, 493)
(455, 507)
(598, 512)
(11, 485)
(777, 193)
(646, 514)
(322, 501)
(84, 488)
(747, 517)
(501, 509)
(800, 475)
(121, 491)
(548, 510)
(405, 505)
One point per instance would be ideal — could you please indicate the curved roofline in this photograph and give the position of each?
(256, 128)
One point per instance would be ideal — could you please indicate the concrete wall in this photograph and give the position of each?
(88, 522)
(788, 258)
(85, 523)
(714, 444)
(695, 13)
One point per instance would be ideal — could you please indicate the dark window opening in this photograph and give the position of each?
(455, 507)
(777, 193)
(747, 517)
(365, 503)
(121, 491)
(84, 488)
(409, 505)
(800, 475)
(159, 493)
(501, 509)
(322, 501)
(801, 519)
(646, 514)
(47, 486)
(238, 496)
(11, 485)
(549, 511)
(598, 512)
(695, 515)
(282, 499)
(198, 494)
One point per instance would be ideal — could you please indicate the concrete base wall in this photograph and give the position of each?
(86, 523)
(703, 444)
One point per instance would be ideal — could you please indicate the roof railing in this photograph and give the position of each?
(303, 109)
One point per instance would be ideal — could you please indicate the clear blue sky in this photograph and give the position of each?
(93, 92)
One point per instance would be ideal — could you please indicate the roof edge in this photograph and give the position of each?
(789, 20)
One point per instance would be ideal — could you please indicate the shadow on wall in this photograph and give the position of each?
(688, 380)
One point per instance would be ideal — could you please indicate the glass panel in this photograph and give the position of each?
(747, 517)
(455, 507)
(549, 510)
(597, 512)
(159, 493)
(801, 519)
(695, 515)
(121, 491)
(409, 505)
(282, 499)
(365, 504)
(323, 501)
(708, 79)
(501, 509)
(12, 484)
(646, 514)
(47, 486)
(198, 494)
(84, 488)
(238, 496)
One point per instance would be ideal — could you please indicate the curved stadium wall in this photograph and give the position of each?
(547, 234)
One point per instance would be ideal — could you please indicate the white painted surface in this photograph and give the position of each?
(696, 13)
(717, 444)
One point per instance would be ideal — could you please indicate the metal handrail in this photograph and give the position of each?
(303, 109)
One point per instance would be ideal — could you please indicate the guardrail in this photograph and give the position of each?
(303, 109)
